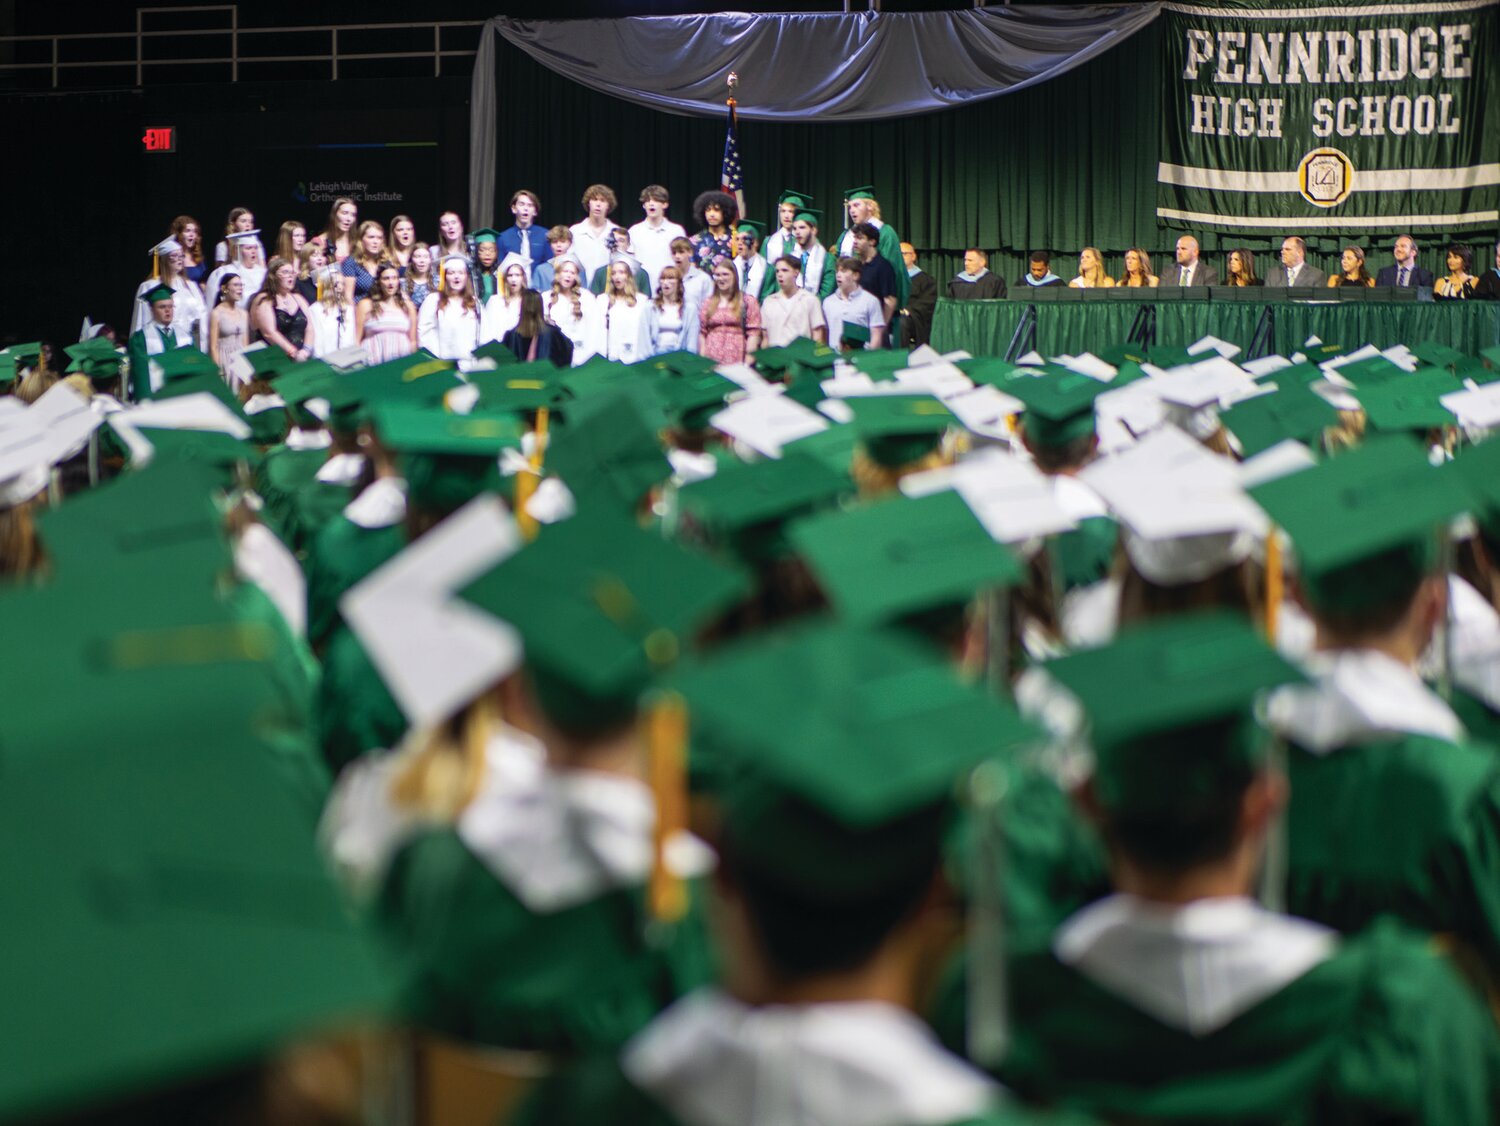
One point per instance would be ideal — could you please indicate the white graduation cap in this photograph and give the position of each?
(447, 258)
(1214, 344)
(1090, 365)
(845, 384)
(434, 651)
(353, 356)
(198, 411)
(1476, 409)
(67, 418)
(1183, 513)
(35, 438)
(1193, 393)
(1402, 357)
(513, 259)
(240, 236)
(1031, 359)
(1335, 392)
(1368, 352)
(747, 378)
(838, 410)
(986, 411)
(1266, 365)
(1281, 460)
(1007, 494)
(941, 379)
(259, 404)
(766, 423)
(952, 357)
(924, 354)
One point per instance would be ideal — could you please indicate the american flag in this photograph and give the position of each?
(731, 180)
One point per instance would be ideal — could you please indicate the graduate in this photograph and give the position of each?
(1179, 998)
(168, 268)
(862, 207)
(816, 272)
(518, 901)
(1367, 734)
(503, 310)
(245, 259)
(451, 322)
(831, 898)
(621, 249)
(486, 278)
(161, 334)
(749, 263)
(623, 319)
(784, 238)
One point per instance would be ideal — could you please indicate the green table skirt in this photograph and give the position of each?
(986, 328)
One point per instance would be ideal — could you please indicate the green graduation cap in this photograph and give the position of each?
(269, 361)
(900, 429)
(1479, 466)
(175, 894)
(864, 191)
(1059, 405)
(1167, 356)
(854, 333)
(1148, 696)
(992, 370)
(745, 505)
(680, 363)
(844, 749)
(1363, 523)
(603, 607)
(1411, 402)
(797, 199)
(1368, 372)
(1118, 354)
(485, 234)
(1491, 357)
(522, 387)
(311, 380)
(610, 452)
(1438, 355)
(902, 556)
(159, 292)
(1290, 412)
(691, 400)
(810, 215)
(500, 353)
(16, 357)
(1297, 375)
(447, 459)
(414, 379)
(801, 352)
(879, 365)
(211, 447)
(96, 358)
(182, 362)
(754, 226)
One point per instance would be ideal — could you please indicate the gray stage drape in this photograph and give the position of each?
(798, 68)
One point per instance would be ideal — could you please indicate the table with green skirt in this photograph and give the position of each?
(986, 328)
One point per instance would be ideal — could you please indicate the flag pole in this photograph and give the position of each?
(732, 102)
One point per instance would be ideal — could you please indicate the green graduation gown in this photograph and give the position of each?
(342, 553)
(554, 955)
(1380, 1031)
(298, 505)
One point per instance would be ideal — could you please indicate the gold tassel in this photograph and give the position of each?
(526, 483)
(155, 266)
(666, 731)
(320, 289)
(1275, 583)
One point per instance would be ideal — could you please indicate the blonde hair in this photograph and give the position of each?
(711, 306)
(21, 553)
(357, 248)
(38, 382)
(628, 294)
(875, 480)
(444, 766)
(573, 293)
(1097, 276)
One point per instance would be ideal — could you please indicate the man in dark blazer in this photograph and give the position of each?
(1190, 269)
(1294, 271)
(916, 318)
(1405, 273)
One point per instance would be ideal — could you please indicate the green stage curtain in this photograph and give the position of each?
(986, 328)
(1060, 166)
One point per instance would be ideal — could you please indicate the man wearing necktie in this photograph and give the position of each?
(748, 263)
(158, 335)
(1296, 271)
(523, 239)
(1191, 270)
(1405, 273)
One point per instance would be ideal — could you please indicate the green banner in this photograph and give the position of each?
(1306, 118)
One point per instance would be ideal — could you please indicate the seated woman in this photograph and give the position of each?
(1137, 269)
(1241, 270)
(1091, 273)
(1458, 283)
(1351, 269)
(534, 337)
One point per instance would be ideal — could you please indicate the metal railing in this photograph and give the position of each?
(138, 66)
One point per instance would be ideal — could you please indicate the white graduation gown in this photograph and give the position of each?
(451, 333)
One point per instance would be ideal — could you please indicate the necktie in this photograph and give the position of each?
(1401, 275)
(744, 275)
(1186, 270)
(1291, 274)
(526, 247)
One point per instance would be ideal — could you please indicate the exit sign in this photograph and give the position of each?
(160, 138)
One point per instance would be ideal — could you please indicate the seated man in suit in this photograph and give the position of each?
(1295, 271)
(1405, 272)
(975, 282)
(1191, 270)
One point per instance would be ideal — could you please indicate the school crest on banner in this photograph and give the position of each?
(1331, 118)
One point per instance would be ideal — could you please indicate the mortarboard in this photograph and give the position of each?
(1169, 678)
(485, 234)
(1293, 412)
(1059, 405)
(447, 459)
(744, 506)
(864, 191)
(797, 199)
(902, 556)
(897, 430)
(1411, 403)
(158, 293)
